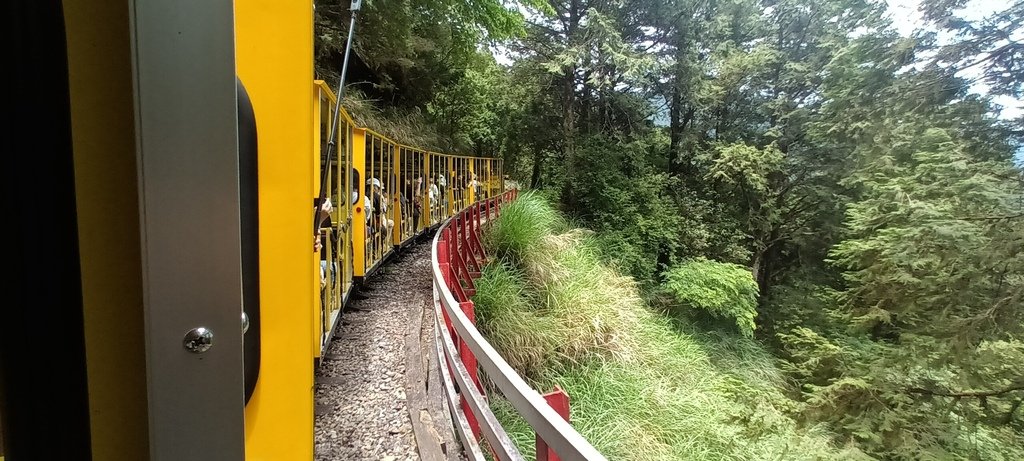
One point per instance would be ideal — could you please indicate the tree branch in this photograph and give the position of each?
(1015, 387)
(992, 218)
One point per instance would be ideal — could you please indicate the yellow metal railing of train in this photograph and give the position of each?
(408, 189)
(336, 266)
(394, 192)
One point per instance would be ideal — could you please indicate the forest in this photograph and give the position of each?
(826, 210)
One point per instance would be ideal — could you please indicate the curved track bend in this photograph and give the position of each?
(376, 397)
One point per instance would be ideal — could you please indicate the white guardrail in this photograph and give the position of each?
(457, 257)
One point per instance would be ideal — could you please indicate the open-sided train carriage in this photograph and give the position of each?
(185, 145)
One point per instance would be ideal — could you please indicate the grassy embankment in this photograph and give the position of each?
(642, 386)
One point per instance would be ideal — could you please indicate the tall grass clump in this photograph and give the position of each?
(642, 386)
(522, 223)
(598, 311)
(506, 314)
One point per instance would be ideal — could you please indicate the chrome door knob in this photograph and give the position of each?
(245, 323)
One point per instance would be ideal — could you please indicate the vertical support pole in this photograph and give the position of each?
(470, 180)
(455, 238)
(422, 192)
(558, 400)
(359, 234)
(319, 314)
(428, 207)
(395, 184)
(464, 239)
(449, 194)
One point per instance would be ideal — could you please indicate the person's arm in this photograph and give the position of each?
(325, 211)
(324, 214)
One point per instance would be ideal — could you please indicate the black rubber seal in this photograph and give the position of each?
(248, 194)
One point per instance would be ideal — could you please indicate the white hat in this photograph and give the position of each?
(373, 181)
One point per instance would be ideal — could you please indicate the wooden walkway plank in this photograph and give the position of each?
(429, 441)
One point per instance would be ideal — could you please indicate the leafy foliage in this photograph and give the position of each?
(921, 248)
(795, 162)
(722, 289)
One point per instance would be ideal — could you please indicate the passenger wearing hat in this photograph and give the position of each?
(380, 206)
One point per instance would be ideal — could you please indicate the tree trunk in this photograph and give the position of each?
(569, 109)
(675, 130)
(762, 269)
(538, 160)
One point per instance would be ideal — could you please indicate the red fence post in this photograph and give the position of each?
(558, 400)
(465, 250)
(476, 215)
(444, 258)
(453, 227)
(469, 361)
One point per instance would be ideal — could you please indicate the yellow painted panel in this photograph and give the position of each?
(103, 136)
(359, 213)
(471, 191)
(274, 58)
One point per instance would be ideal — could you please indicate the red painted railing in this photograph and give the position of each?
(458, 258)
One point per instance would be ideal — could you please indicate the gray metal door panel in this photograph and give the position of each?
(188, 178)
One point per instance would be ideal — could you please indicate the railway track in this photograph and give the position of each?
(375, 393)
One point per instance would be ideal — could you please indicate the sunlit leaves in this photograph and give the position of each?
(722, 289)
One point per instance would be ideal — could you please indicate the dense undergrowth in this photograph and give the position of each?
(642, 385)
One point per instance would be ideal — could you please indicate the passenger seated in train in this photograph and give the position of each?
(419, 196)
(442, 183)
(324, 215)
(410, 206)
(381, 198)
(458, 190)
(380, 224)
(368, 206)
(475, 186)
(435, 201)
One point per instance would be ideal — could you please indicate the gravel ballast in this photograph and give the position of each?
(362, 411)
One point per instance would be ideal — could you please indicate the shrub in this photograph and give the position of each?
(724, 290)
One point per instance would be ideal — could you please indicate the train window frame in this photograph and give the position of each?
(357, 189)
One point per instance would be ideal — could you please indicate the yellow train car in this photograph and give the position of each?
(180, 168)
